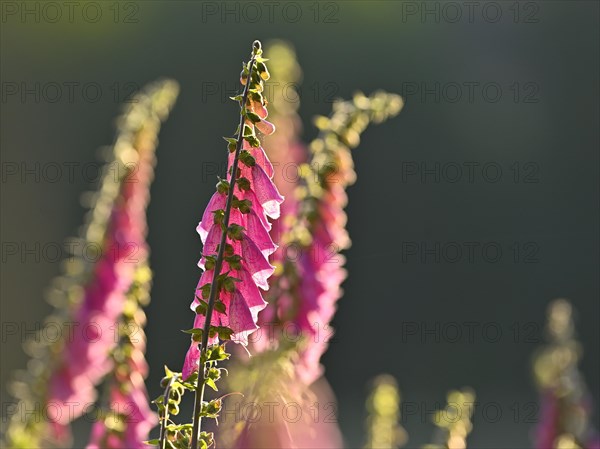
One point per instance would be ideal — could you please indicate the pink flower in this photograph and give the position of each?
(249, 245)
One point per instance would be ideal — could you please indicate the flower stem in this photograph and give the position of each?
(219, 263)
(163, 423)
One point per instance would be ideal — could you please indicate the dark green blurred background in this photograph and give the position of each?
(542, 55)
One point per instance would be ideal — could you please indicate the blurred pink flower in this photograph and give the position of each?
(131, 410)
(547, 429)
(85, 359)
(301, 425)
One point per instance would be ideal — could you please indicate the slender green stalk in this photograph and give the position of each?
(219, 260)
(163, 422)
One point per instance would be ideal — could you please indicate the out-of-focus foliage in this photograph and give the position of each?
(383, 422)
(566, 403)
(454, 422)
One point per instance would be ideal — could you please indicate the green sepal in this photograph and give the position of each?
(215, 353)
(201, 308)
(256, 80)
(211, 261)
(220, 307)
(211, 383)
(234, 261)
(256, 96)
(235, 231)
(205, 289)
(247, 159)
(245, 67)
(206, 439)
(219, 216)
(225, 333)
(262, 70)
(222, 186)
(211, 409)
(213, 373)
(231, 143)
(238, 172)
(253, 141)
(228, 250)
(196, 333)
(243, 205)
(190, 382)
(193, 331)
(243, 184)
(229, 284)
(173, 408)
(254, 118)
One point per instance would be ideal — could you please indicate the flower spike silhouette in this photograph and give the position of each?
(234, 228)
